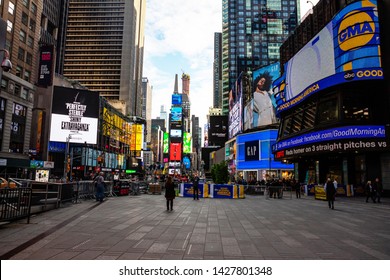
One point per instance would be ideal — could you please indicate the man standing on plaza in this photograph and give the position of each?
(330, 190)
(195, 186)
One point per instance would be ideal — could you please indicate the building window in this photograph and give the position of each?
(4, 84)
(11, 8)
(24, 18)
(356, 107)
(30, 41)
(22, 36)
(29, 58)
(19, 110)
(21, 54)
(328, 110)
(27, 75)
(19, 71)
(32, 25)
(33, 8)
(10, 26)
(26, 3)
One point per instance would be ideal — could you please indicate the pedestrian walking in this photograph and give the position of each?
(297, 187)
(330, 190)
(379, 189)
(195, 186)
(170, 193)
(370, 192)
(99, 183)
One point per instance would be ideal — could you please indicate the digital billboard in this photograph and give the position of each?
(75, 115)
(137, 137)
(175, 152)
(46, 58)
(176, 114)
(187, 143)
(166, 142)
(346, 50)
(235, 108)
(177, 99)
(218, 132)
(176, 133)
(260, 104)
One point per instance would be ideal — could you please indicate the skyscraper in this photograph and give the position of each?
(147, 107)
(217, 71)
(104, 50)
(252, 32)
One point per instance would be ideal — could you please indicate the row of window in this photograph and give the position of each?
(326, 110)
(17, 90)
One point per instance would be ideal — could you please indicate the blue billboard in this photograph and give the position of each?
(347, 49)
(254, 151)
(177, 99)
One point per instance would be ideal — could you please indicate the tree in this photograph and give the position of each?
(220, 173)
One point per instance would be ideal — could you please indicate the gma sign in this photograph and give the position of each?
(356, 30)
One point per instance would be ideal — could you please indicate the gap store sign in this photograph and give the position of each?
(254, 151)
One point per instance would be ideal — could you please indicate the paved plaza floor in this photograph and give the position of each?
(139, 227)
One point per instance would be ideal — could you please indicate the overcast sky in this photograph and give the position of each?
(179, 37)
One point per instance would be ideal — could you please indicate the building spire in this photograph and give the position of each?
(176, 89)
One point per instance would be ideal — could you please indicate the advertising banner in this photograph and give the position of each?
(187, 143)
(45, 75)
(218, 133)
(346, 50)
(177, 99)
(166, 142)
(75, 115)
(321, 140)
(188, 191)
(260, 105)
(235, 108)
(175, 152)
(223, 191)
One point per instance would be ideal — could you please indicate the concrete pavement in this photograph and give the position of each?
(139, 227)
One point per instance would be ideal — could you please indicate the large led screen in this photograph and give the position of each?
(346, 50)
(175, 152)
(176, 114)
(187, 143)
(260, 104)
(74, 115)
(166, 143)
(235, 108)
(177, 99)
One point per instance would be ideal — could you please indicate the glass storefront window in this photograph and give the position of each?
(328, 110)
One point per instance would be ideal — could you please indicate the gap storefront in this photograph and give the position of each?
(255, 161)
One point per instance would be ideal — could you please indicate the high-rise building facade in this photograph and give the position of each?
(147, 107)
(217, 71)
(252, 32)
(20, 23)
(104, 50)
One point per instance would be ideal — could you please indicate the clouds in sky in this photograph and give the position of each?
(179, 36)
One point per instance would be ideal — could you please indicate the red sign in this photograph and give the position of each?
(175, 152)
(279, 154)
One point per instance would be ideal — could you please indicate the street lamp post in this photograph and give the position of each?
(66, 156)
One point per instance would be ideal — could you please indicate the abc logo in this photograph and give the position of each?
(355, 30)
(369, 73)
(349, 75)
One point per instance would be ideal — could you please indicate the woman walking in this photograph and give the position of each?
(170, 193)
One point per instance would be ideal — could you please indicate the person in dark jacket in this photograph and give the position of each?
(169, 193)
(370, 192)
(378, 187)
(195, 186)
(330, 189)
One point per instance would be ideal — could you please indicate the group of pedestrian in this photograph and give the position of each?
(374, 191)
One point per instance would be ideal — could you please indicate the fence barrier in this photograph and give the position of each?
(15, 204)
